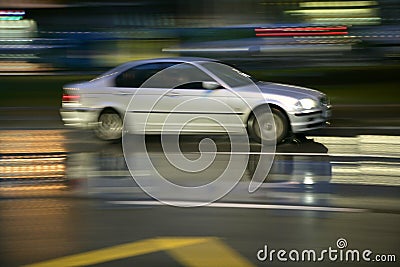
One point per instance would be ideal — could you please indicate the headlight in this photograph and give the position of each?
(308, 103)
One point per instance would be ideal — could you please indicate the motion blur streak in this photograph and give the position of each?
(363, 144)
(32, 162)
(245, 206)
(337, 3)
(35, 40)
(25, 141)
(365, 159)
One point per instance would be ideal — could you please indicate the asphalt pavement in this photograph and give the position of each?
(68, 199)
(40, 230)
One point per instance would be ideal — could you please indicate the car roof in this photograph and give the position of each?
(174, 59)
(134, 63)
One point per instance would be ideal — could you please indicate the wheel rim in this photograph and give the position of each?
(264, 128)
(110, 126)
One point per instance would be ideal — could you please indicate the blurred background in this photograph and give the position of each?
(309, 43)
(62, 35)
(348, 49)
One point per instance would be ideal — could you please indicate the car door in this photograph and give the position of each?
(177, 97)
(136, 100)
(198, 104)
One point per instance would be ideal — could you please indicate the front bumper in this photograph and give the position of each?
(79, 117)
(311, 120)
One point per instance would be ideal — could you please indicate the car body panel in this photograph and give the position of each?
(199, 110)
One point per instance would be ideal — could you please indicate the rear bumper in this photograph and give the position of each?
(301, 122)
(79, 117)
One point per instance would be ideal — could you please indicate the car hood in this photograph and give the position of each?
(297, 92)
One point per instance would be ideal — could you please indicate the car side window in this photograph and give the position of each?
(198, 85)
(190, 85)
(136, 76)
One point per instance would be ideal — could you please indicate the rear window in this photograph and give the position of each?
(136, 76)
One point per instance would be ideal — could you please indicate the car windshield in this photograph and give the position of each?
(229, 74)
(112, 72)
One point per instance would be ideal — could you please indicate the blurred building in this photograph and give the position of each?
(43, 35)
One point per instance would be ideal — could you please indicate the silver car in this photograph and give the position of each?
(146, 95)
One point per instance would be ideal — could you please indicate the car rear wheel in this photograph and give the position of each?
(109, 125)
(261, 128)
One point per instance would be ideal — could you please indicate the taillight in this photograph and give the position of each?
(71, 96)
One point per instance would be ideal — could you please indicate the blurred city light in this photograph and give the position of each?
(52, 35)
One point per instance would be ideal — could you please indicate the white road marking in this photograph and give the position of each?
(307, 154)
(364, 128)
(286, 154)
(240, 205)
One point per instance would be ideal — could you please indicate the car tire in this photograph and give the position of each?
(109, 126)
(281, 125)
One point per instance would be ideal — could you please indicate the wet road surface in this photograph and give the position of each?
(36, 230)
(64, 193)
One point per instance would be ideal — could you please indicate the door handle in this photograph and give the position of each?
(122, 93)
(172, 94)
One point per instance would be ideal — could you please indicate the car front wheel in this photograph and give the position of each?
(109, 126)
(262, 129)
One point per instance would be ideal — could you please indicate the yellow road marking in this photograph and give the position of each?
(211, 253)
(189, 251)
(120, 252)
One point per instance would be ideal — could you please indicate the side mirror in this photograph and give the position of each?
(210, 85)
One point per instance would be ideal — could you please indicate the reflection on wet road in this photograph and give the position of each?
(317, 191)
(74, 163)
(32, 162)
